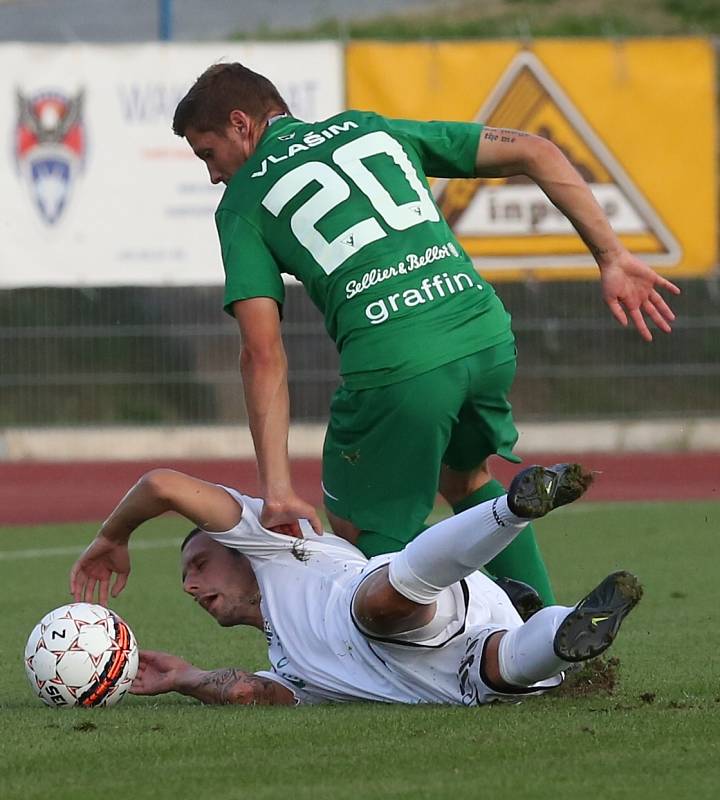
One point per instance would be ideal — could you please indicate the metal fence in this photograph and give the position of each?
(125, 355)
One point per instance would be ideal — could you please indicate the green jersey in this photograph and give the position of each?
(344, 205)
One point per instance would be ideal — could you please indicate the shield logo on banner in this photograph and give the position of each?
(50, 146)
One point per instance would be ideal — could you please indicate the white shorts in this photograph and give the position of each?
(444, 663)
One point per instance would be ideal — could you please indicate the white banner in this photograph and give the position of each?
(96, 189)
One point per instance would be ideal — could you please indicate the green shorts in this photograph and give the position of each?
(384, 446)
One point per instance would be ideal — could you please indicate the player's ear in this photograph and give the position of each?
(240, 120)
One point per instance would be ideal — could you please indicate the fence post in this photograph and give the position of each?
(165, 20)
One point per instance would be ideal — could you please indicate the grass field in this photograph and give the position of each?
(656, 736)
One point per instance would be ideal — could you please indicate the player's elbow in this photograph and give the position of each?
(159, 484)
(262, 357)
(254, 691)
(541, 153)
(241, 694)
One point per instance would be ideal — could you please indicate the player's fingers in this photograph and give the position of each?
(103, 592)
(152, 661)
(656, 317)
(639, 322)
(288, 529)
(664, 283)
(268, 520)
(119, 585)
(618, 312)
(77, 578)
(148, 657)
(140, 672)
(658, 301)
(315, 523)
(89, 590)
(78, 589)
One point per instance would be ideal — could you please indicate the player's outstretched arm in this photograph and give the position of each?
(104, 566)
(263, 364)
(159, 673)
(629, 286)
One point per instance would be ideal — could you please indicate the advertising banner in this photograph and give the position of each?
(637, 118)
(96, 189)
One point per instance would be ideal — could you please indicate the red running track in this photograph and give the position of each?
(32, 492)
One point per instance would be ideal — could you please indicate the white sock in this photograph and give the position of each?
(526, 655)
(452, 549)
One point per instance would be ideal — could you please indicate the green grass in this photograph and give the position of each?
(655, 737)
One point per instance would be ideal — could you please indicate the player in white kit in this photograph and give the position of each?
(419, 626)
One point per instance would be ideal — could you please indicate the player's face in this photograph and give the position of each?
(221, 581)
(223, 154)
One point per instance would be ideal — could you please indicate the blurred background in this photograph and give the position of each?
(110, 274)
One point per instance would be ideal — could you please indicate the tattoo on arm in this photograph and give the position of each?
(503, 135)
(493, 160)
(596, 250)
(226, 686)
(220, 682)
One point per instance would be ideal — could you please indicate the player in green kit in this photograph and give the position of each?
(427, 355)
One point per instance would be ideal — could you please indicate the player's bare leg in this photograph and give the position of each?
(405, 595)
(381, 610)
(491, 662)
(456, 486)
(455, 547)
(343, 527)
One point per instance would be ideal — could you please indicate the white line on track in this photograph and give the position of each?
(42, 552)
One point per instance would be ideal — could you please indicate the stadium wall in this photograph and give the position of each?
(204, 442)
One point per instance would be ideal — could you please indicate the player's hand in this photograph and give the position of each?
(630, 288)
(282, 514)
(95, 569)
(158, 673)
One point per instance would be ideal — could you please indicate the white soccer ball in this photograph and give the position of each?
(81, 654)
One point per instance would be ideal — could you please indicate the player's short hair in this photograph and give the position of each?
(221, 89)
(194, 532)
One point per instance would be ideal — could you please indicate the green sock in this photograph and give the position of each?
(521, 559)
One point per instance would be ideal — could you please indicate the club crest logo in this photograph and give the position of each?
(50, 146)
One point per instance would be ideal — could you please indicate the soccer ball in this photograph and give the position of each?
(81, 654)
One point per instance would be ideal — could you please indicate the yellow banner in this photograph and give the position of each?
(637, 119)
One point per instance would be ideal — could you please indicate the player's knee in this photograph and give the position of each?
(380, 610)
(343, 527)
(455, 485)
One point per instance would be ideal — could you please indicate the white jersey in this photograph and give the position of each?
(315, 647)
